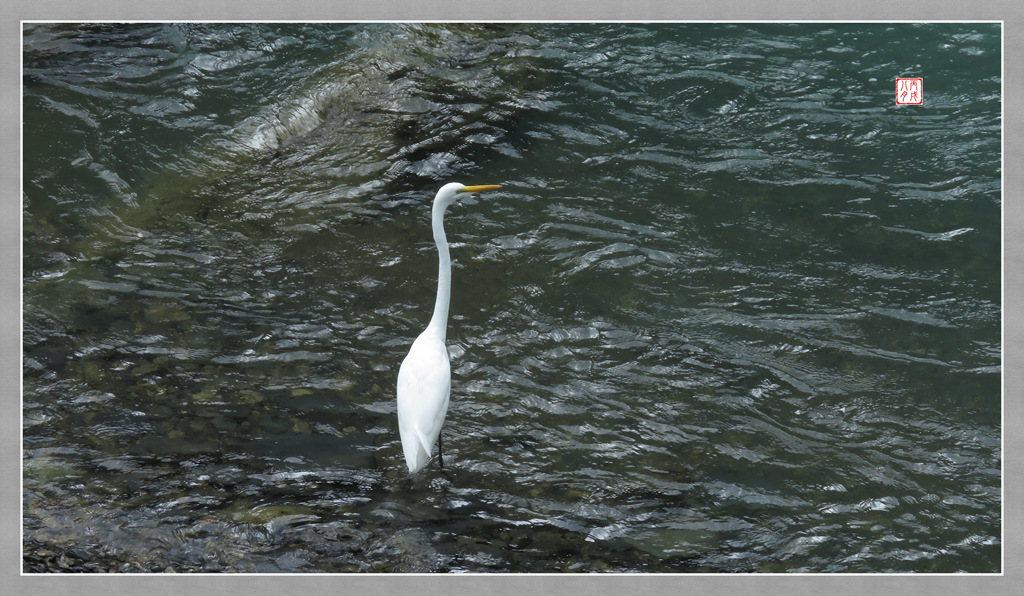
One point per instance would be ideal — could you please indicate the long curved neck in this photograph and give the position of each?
(439, 322)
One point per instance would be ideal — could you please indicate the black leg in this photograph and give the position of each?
(440, 459)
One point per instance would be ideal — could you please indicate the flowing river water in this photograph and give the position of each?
(733, 309)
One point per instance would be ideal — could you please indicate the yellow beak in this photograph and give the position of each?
(479, 188)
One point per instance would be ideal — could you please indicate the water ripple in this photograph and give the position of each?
(732, 310)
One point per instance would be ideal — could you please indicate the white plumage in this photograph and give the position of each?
(424, 384)
(425, 377)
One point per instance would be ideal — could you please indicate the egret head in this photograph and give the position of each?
(450, 192)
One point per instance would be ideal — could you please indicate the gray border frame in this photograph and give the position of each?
(1011, 581)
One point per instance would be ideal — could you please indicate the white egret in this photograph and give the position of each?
(424, 379)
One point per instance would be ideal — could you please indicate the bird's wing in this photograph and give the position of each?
(424, 383)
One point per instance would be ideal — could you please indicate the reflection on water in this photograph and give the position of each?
(732, 310)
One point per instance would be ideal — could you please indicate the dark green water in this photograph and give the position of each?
(732, 311)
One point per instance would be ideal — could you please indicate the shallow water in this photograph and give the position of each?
(732, 311)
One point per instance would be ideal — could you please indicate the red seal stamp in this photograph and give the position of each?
(909, 92)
